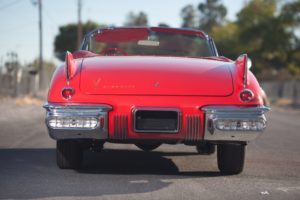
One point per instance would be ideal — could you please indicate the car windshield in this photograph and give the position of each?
(145, 41)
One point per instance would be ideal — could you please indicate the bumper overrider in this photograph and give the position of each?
(234, 123)
(222, 123)
(77, 121)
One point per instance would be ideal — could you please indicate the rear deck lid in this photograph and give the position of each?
(150, 75)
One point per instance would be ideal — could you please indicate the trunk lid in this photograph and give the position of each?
(150, 75)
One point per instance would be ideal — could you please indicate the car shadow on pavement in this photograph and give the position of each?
(32, 173)
(115, 161)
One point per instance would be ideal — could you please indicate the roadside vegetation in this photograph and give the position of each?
(267, 30)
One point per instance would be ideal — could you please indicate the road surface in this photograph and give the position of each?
(28, 169)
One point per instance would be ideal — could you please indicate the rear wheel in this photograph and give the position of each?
(231, 158)
(69, 154)
(148, 147)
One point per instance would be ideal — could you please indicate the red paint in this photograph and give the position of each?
(139, 33)
(122, 34)
(241, 64)
(137, 75)
(83, 54)
(126, 82)
(70, 64)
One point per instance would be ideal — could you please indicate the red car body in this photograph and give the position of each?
(153, 99)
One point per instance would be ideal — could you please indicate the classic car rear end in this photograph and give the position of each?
(150, 86)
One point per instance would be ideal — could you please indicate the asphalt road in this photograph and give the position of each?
(28, 169)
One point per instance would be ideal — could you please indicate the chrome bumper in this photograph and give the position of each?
(238, 116)
(74, 115)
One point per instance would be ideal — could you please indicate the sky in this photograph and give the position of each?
(19, 20)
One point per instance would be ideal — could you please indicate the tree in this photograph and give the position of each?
(226, 38)
(139, 19)
(212, 13)
(66, 40)
(34, 65)
(268, 31)
(188, 15)
(263, 34)
(290, 15)
(162, 24)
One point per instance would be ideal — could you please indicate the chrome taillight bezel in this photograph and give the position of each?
(250, 93)
(71, 90)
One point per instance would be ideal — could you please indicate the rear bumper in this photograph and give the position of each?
(77, 121)
(234, 123)
(91, 122)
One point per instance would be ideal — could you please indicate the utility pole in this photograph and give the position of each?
(41, 64)
(13, 69)
(1, 66)
(79, 26)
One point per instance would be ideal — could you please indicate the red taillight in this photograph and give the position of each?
(246, 95)
(67, 93)
(102, 122)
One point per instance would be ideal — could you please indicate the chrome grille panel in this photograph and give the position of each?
(120, 126)
(193, 128)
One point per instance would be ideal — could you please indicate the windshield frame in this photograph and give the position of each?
(193, 32)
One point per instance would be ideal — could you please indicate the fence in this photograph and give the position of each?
(21, 82)
(282, 90)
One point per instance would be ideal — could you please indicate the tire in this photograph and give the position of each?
(204, 148)
(148, 146)
(69, 154)
(231, 158)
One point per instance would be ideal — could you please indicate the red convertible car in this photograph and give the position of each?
(152, 85)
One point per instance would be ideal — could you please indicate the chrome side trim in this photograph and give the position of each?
(213, 113)
(56, 110)
(223, 108)
(57, 106)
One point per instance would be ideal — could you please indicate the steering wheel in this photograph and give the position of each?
(113, 51)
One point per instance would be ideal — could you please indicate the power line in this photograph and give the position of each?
(10, 29)
(49, 16)
(10, 4)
